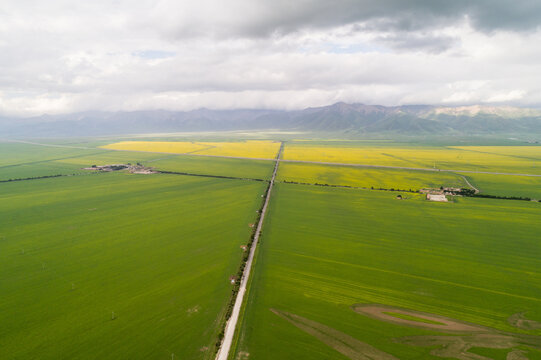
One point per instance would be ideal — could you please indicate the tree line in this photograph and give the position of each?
(32, 178)
(238, 277)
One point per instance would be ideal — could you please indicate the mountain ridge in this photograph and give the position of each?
(354, 118)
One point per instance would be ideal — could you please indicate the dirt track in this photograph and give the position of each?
(380, 312)
(343, 343)
(469, 184)
(456, 346)
(464, 336)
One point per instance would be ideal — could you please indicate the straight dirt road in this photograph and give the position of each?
(231, 325)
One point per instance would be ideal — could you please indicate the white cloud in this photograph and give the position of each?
(507, 96)
(62, 56)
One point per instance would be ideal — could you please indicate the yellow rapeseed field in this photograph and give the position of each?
(367, 177)
(533, 152)
(156, 146)
(252, 148)
(263, 149)
(481, 158)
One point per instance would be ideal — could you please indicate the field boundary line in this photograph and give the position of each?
(209, 175)
(294, 161)
(413, 276)
(408, 168)
(231, 324)
(337, 164)
(48, 160)
(48, 145)
(341, 164)
(36, 178)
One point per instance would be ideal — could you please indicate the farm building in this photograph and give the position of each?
(436, 197)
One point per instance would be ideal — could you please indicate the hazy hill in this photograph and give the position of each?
(340, 117)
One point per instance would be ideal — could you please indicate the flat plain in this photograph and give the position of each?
(119, 265)
(509, 159)
(263, 149)
(505, 185)
(48, 161)
(243, 168)
(328, 253)
(21, 160)
(367, 177)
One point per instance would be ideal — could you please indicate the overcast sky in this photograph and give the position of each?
(67, 56)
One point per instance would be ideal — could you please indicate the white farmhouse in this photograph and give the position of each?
(436, 197)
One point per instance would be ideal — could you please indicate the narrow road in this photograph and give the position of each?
(467, 182)
(231, 325)
(293, 161)
(50, 145)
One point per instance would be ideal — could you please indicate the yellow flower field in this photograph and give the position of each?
(252, 148)
(366, 177)
(515, 159)
(263, 149)
(533, 152)
(156, 146)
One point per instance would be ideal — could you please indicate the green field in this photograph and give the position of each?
(255, 169)
(19, 153)
(524, 186)
(118, 265)
(26, 160)
(326, 249)
(367, 177)
(157, 250)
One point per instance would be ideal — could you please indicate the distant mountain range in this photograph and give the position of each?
(338, 118)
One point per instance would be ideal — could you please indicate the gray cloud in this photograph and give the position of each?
(261, 19)
(412, 41)
(62, 56)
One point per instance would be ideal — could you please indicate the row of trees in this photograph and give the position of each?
(351, 187)
(32, 178)
(463, 191)
(238, 277)
(206, 175)
(472, 193)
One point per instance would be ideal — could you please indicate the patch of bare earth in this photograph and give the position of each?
(379, 312)
(456, 347)
(243, 355)
(519, 321)
(517, 355)
(466, 336)
(343, 343)
(193, 310)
